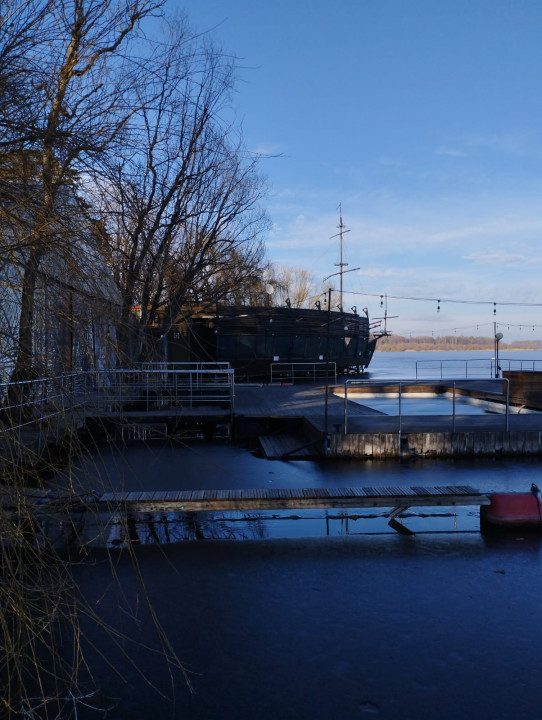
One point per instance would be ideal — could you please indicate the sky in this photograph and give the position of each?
(421, 120)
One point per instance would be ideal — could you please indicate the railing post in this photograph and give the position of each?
(453, 408)
(20, 424)
(345, 409)
(400, 411)
(118, 382)
(506, 380)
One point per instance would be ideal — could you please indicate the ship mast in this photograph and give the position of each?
(340, 264)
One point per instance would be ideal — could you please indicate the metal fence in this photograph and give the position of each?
(473, 367)
(148, 390)
(500, 393)
(50, 402)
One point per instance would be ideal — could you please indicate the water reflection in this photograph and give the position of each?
(119, 530)
(168, 466)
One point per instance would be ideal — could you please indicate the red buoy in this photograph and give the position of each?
(513, 510)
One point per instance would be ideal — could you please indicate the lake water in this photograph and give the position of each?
(317, 615)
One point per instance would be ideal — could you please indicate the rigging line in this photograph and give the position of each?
(445, 300)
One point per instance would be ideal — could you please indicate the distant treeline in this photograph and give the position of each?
(395, 343)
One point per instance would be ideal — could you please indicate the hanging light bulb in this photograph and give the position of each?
(494, 308)
(382, 301)
(438, 305)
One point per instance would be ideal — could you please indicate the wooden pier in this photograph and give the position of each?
(399, 499)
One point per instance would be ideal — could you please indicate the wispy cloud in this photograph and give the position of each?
(503, 257)
(514, 143)
(269, 150)
(385, 272)
(393, 162)
(452, 152)
(495, 257)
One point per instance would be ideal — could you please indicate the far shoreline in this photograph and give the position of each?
(443, 348)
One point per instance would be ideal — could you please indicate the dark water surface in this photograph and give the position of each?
(390, 627)
(299, 624)
(176, 466)
(320, 615)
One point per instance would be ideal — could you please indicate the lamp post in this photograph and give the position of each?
(326, 435)
(498, 337)
(341, 273)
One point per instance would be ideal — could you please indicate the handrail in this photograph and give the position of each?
(474, 367)
(167, 365)
(400, 384)
(32, 402)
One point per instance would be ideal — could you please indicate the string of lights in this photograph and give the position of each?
(470, 329)
(440, 301)
(522, 327)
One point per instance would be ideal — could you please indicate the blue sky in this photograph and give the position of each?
(422, 118)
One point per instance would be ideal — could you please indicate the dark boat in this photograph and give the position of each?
(252, 339)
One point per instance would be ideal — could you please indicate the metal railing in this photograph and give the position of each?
(47, 403)
(520, 365)
(147, 390)
(289, 372)
(219, 365)
(473, 367)
(449, 384)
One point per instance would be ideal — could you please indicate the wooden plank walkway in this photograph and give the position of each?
(269, 499)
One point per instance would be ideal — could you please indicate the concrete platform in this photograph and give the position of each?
(377, 435)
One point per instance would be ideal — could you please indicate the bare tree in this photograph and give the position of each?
(79, 97)
(182, 205)
(295, 287)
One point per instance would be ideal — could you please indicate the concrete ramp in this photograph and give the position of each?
(284, 446)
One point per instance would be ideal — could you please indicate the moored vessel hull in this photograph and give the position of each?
(251, 339)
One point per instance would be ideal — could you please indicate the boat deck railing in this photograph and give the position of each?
(292, 371)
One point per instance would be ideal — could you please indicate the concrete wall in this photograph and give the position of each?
(443, 444)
